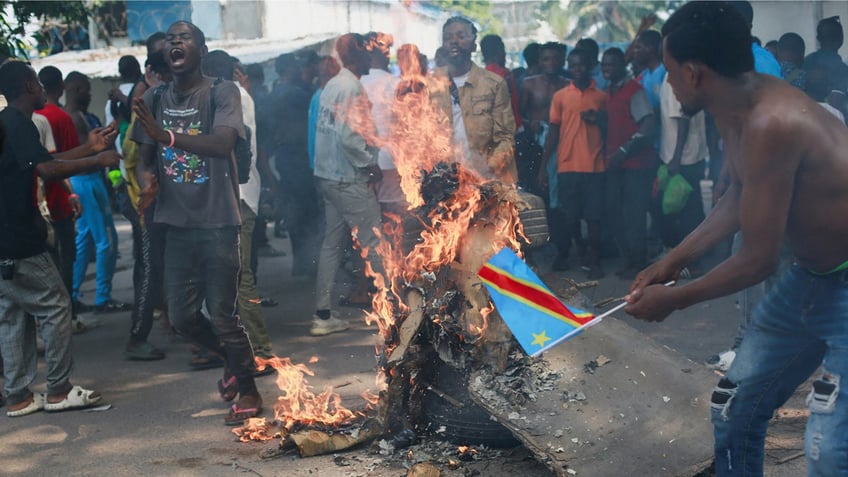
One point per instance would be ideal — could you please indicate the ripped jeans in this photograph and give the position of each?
(802, 323)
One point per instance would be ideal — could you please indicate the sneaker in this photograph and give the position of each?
(80, 307)
(325, 327)
(111, 306)
(142, 351)
(722, 361)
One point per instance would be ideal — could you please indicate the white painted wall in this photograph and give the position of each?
(774, 18)
(295, 18)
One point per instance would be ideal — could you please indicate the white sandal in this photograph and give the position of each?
(36, 405)
(78, 398)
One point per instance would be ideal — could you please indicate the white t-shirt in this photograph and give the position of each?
(695, 149)
(45, 133)
(380, 86)
(125, 88)
(250, 191)
(464, 155)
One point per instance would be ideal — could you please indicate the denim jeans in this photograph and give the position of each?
(799, 325)
(35, 290)
(203, 265)
(751, 296)
(95, 225)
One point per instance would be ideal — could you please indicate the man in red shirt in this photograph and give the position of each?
(494, 55)
(63, 204)
(631, 160)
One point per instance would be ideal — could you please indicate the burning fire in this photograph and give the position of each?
(299, 405)
(450, 202)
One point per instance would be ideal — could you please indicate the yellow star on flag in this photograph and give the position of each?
(540, 339)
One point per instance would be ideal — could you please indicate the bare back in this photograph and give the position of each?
(790, 157)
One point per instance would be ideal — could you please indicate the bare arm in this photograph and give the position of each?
(763, 209)
(98, 140)
(59, 168)
(219, 144)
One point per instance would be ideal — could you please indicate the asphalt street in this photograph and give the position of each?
(167, 420)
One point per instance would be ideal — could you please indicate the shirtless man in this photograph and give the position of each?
(534, 98)
(789, 173)
(534, 103)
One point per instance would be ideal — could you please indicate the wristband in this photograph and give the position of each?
(73, 196)
(171, 135)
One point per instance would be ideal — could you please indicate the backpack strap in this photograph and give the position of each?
(157, 99)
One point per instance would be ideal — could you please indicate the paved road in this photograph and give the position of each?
(167, 420)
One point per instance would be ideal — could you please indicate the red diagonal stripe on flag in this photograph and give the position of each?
(544, 300)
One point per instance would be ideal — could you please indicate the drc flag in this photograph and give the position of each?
(537, 318)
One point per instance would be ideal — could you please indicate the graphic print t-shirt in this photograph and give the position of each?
(195, 191)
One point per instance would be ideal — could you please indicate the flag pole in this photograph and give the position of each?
(620, 306)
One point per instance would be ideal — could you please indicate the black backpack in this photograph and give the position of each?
(241, 149)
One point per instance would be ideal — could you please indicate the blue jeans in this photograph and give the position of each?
(95, 224)
(35, 291)
(204, 265)
(751, 296)
(800, 325)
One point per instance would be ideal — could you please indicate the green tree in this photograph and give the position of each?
(478, 11)
(605, 20)
(15, 15)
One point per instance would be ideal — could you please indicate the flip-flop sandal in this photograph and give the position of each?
(237, 416)
(36, 405)
(77, 398)
(206, 361)
(267, 370)
(144, 352)
(228, 388)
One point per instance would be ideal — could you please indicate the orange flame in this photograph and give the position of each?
(298, 404)
(254, 429)
(419, 139)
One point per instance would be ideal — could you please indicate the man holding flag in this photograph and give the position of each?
(789, 171)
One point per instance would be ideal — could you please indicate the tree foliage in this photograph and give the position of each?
(16, 15)
(606, 20)
(478, 11)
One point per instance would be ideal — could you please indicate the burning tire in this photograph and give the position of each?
(465, 425)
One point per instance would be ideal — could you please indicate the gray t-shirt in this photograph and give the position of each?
(195, 191)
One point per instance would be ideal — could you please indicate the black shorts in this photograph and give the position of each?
(581, 195)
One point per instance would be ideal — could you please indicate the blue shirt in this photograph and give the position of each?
(312, 124)
(652, 82)
(765, 62)
(601, 83)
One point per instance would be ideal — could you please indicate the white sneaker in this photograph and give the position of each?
(325, 327)
(722, 361)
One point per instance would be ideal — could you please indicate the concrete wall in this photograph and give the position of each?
(774, 18)
(296, 18)
(241, 19)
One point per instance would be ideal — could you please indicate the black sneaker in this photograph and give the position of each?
(80, 307)
(111, 306)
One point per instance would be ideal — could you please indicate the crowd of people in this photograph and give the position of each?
(209, 155)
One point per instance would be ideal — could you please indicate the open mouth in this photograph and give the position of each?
(177, 56)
